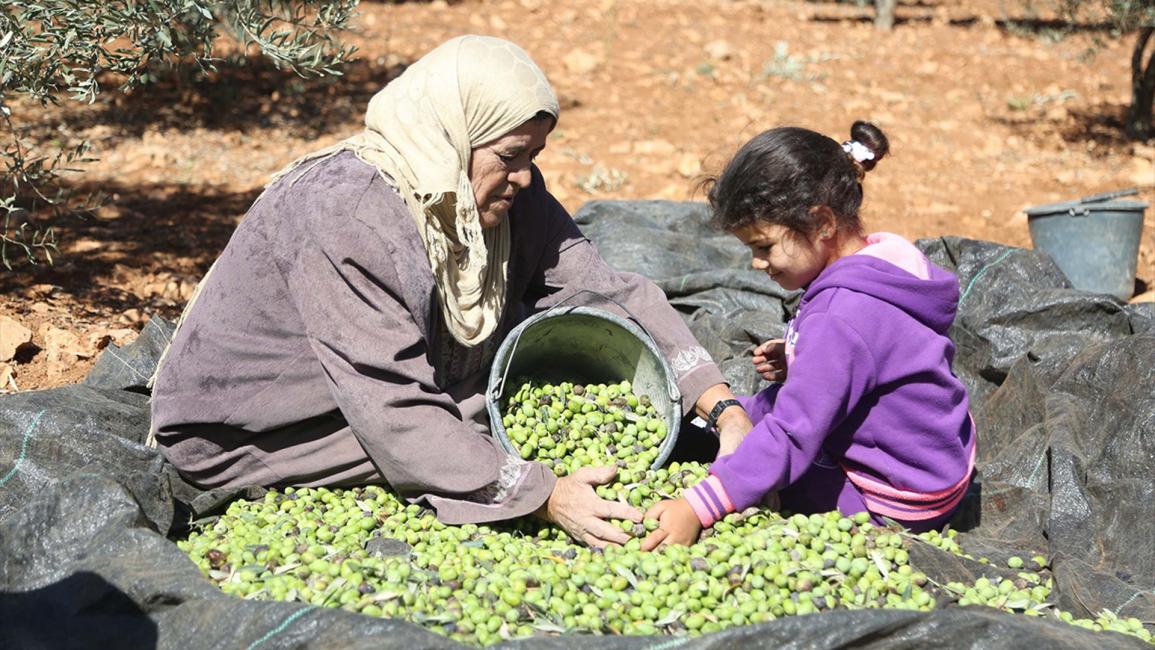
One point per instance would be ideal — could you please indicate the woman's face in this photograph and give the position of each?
(789, 258)
(498, 170)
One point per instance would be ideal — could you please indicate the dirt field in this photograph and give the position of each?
(986, 116)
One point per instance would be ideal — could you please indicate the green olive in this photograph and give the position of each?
(486, 583)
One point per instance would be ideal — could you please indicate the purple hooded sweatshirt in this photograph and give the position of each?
(870, 400)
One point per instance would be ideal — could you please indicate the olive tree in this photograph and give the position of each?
(1129, 16)
(55, 51)
(884, 14)
(1140, 15)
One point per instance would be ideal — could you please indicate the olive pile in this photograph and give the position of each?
(365, 550)
(568, 426)
(1026, 593)
(644, 488)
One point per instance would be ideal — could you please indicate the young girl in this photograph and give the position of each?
(869, 416)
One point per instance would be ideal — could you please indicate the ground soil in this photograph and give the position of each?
(989, 110)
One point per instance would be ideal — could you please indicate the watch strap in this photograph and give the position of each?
(716, 412)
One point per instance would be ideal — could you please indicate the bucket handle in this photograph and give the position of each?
(1107, 196)
(500, 387)
(1077, 210)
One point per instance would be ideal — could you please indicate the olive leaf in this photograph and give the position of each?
(546, 626)
(671, 618)
(880, 562)
(627, 574)
(1018, 603)
(384, 596)
(285, 568)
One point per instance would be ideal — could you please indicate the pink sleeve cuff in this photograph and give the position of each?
(709, 501)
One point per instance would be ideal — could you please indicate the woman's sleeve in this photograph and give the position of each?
(571, 264)
(342, 280)
(833, 370)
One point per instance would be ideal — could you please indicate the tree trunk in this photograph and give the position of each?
(1139, 125)
(884, 14)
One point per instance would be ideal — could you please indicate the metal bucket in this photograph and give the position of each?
(1094, 240)
(589, 346)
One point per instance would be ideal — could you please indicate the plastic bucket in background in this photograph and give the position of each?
(1095, 240)
(584, 346)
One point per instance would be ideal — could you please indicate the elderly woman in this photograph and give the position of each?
(343, 336)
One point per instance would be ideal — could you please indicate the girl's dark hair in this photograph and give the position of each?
(779, 175)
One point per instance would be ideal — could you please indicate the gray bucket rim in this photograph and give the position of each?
(1079, 208)
(495, 388)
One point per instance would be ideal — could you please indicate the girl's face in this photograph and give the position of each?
(791, 259)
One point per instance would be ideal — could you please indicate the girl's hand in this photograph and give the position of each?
(677, 524)
(770, 360)
(772, 501)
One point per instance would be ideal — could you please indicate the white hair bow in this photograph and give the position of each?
(858, 151)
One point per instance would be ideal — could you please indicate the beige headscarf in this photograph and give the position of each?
(420, 131)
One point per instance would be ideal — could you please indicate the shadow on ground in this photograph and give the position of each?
(1101, 124)
(1026, 26)
(243, 96)
(154, 228)
(170, 227)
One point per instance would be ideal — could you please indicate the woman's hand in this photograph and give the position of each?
(729, 439)
(733, 425)
(770, 360)
(677, 524)
(575, 507)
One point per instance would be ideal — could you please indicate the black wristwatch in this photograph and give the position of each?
(716, 412)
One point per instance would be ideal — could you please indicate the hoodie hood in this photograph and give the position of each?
(932, 301)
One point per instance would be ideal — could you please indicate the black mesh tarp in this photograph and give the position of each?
(1062, 384)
